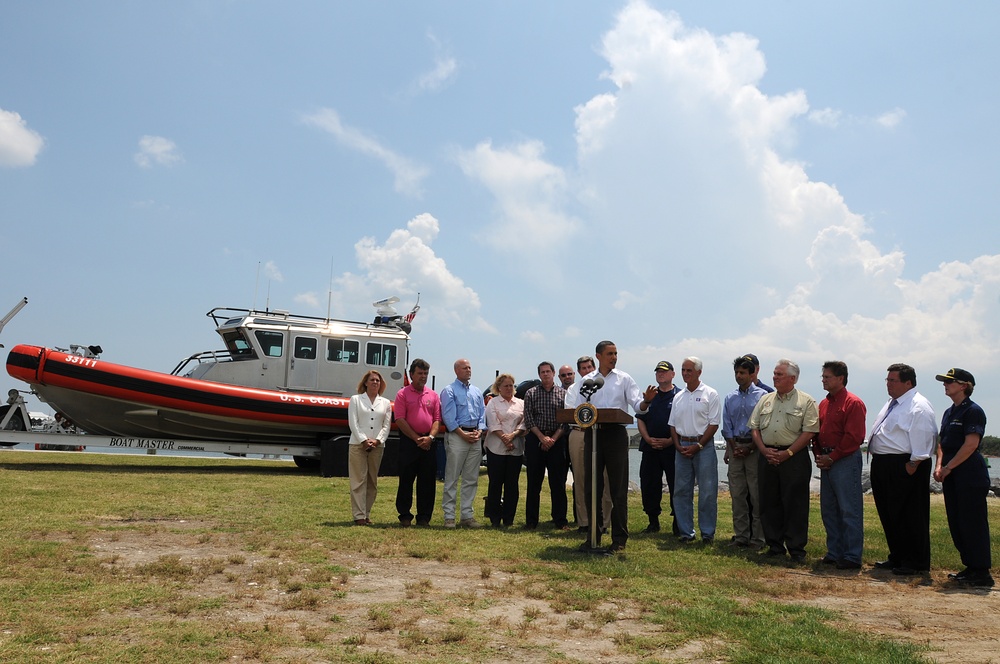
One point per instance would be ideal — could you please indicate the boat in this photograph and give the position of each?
(281, 379)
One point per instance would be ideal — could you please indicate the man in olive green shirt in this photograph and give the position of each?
(782, 425)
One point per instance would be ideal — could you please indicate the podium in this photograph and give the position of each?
(602, 417)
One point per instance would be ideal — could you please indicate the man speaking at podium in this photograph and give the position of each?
(619, 391)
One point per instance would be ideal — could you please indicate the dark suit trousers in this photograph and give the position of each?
(612, 456)
(784, 502)
(556, 461)
(965, 491)
(903, 502)
(652, 467)
(503, 471)
(420, 465)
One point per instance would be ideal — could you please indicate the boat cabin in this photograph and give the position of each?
(275, 350)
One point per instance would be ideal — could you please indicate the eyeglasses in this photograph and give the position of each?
(566, 375)
(949, 381)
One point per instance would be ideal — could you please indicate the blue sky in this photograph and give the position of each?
(685, 178)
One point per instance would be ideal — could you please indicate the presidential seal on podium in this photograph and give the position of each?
(585, 415)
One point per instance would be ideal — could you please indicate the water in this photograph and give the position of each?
(634, 457)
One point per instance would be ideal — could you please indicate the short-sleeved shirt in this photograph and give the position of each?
(657, 416)
(781, 420)
(420, 409)
(958, 422)
(908, 428)
(693, 412)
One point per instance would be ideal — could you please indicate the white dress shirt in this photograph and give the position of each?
(619, 391)
(909, 429)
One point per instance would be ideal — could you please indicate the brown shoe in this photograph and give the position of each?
(360, 522)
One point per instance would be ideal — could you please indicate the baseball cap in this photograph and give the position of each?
(961, 375)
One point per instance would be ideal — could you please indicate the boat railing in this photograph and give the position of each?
(213, 356)
(221, 315)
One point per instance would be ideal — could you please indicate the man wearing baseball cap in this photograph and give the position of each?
(657, 448)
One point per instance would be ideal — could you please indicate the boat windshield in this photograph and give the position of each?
(238, 345)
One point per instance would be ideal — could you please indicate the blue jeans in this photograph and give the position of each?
(842, 507)
(703, 466)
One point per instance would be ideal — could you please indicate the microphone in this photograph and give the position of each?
(598, 381)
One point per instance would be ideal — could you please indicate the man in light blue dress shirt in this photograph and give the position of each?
(464, 413)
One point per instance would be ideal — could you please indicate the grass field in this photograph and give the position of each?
(152, 559)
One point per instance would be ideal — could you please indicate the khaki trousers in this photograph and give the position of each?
(362, 469)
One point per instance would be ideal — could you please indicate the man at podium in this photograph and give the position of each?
(619, 391)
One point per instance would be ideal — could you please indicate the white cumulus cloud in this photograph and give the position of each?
(691, 215)
(530, 193)
(404, 265)
(19, 145)
(157, 151)
(891, 119)
(825, 117)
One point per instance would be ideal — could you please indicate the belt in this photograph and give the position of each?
(777, 447)
(575, 428)
(469, 429)
(743, 439)
(690, 439)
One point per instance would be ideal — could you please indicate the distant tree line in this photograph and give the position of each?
(990, 446)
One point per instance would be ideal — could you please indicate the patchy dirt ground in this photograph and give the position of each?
(361, 603)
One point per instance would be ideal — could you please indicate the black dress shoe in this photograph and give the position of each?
(884, 564)
(616, 548)
(827, 560)
(652, 528)
(583, 529)
(979, 579)
(684, 539)
(904, 571)
(773, 553)
(848, 564)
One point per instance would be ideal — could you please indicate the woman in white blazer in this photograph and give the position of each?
(369, 416)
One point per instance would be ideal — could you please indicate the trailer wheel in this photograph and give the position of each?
(16, 421)
(306, 463)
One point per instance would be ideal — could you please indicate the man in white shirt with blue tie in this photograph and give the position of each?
(901, 444)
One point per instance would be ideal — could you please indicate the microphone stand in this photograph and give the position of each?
(587, 391)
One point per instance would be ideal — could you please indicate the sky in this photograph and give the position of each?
(796, 180)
